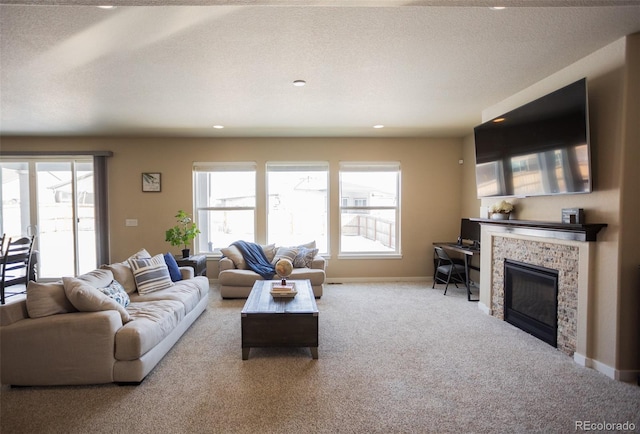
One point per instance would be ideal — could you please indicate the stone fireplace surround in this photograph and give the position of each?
(559, 257)
(566, 248)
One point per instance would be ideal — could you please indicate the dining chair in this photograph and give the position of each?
(16, 263)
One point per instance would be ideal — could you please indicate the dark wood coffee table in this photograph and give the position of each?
(280, 322)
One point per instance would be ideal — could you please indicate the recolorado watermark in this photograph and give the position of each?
(589, 425)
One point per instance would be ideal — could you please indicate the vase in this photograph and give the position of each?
(185, 253)
(500, 216)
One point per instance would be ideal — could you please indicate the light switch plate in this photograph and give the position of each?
(131, 222)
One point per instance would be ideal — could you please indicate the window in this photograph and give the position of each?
(225, 202)
(370, 208)
(297, 204)
(61, 200)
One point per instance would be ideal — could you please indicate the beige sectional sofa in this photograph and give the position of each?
(236, 280)
(78, 331)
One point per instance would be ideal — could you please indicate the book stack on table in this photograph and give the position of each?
(278, 290)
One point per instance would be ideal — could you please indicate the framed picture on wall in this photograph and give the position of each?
(151, 182)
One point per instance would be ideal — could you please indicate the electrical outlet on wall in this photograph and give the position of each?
(131, 222)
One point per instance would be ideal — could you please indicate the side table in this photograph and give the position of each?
(197, 262)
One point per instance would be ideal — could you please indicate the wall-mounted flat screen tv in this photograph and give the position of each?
(541, 148)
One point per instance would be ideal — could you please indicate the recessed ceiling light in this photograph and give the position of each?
(107, 7)
(218, 127)
(497, 8)
(299, 83)
(378, 126)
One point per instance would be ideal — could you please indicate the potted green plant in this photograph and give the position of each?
(183, 233)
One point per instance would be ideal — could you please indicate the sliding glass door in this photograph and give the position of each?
(54, 200)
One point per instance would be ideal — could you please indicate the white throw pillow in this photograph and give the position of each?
(233, 253)
(123, 274)
(151, 274)
(285, 252)
(86, 298)
(269, 251)
(309, 245)
(45, 299)
(97, 278)
(142, 253)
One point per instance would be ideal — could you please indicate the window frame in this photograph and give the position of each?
(210, 167)
(301, 166)
(368, 166)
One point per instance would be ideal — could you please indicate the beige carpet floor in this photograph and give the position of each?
(394, 358)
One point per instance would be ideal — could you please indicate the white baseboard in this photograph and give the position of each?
(484, 308)
(582, 360)
(605, 369)
(338, 280)
(629, 376)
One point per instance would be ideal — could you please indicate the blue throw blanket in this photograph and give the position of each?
(256, 260)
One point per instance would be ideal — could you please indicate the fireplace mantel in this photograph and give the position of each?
(561, 231)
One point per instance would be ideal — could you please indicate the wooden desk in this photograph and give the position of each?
(468, 252)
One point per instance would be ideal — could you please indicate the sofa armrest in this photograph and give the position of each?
(13, 312)
(318, 263)
(70, 348)
(187, 273)
(226, 264)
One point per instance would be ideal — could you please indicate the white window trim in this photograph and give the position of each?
(371, 166)
(294, 166)
(227, 166)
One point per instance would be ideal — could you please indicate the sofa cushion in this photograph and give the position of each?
(286, 253)
(150, 274)
(238, 277)
(87, 298)
(44, 299)
(304, 258)
(233, 253)
(315, 276)
(153, 321)
(115, 291)
(188, 292)
(172, 265)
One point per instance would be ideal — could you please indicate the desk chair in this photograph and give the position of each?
(16, 263)
(455, 272)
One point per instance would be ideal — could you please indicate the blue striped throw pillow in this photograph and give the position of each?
(150, 274)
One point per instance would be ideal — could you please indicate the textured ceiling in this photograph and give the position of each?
(418, 67)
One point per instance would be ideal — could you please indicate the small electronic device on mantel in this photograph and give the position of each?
(541, 148)
(573, 215)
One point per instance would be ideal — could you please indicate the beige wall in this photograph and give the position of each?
(431, 186)
(470, 202)
(629, 301)
(612, 74)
